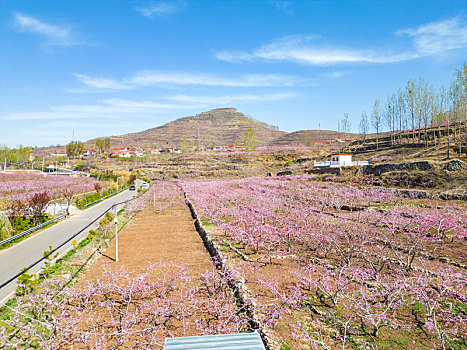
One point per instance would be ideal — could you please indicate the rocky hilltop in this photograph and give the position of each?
(218, 126)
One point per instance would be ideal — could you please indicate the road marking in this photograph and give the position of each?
(51, 241)
(24, 257)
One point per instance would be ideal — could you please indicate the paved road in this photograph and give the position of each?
(30, 251)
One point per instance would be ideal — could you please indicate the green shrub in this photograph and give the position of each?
(109, 216)
(23, 223)
(3, 234)
(80, 203)
(26, 283)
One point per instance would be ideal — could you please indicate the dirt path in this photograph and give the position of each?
(152, 238)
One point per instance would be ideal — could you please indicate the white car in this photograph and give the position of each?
(144, 185)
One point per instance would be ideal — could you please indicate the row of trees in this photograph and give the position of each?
(409, 112)
(103, 145)
(74, 148)
(14, 155)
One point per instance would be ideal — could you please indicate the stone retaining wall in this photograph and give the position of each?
(243, 295)
(324, 170)
(384, 168)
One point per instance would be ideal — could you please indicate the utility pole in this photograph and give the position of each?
(42, 163)
(117, 182)
(154, 197)
(116, 234)
(4, 165)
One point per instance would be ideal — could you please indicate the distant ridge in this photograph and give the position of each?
(217, 126)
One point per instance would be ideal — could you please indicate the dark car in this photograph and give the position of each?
(132, 188)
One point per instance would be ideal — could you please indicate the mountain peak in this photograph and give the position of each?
(210, 128)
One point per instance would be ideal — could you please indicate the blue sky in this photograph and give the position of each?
(102, 68)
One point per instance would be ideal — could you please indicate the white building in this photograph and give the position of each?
(341, 159)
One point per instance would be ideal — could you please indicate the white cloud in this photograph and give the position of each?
(101, 83)
(428, 39)
(161, 8)
(157, 78)
(148, 78)
(281, 5)
(146, 105)
(109, 109)
(301, 49)
(56, 35)
(219, 100)
(333, 75)
(438, 37)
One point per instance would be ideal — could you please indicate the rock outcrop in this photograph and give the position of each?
(385, 168)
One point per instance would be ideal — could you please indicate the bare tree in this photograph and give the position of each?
(423, 108)
(400, 112)
(389, 115)
(364, 126)
(455, 98)
(422, 92)
(346, 126)
(376, 120)
(435, 116)
(410, 104)
(443, 115)
(461, 79)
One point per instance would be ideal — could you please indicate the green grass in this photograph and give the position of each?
(19, 239)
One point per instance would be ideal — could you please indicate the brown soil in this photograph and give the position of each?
(152, 238)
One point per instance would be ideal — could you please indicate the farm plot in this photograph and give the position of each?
(25, 197)
(340, 266)
(164, 285)
(19, 187)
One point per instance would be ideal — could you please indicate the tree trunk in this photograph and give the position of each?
(460, 140)
(426, 137)
(465, 136)
(447, 128)
(400, 130)
(419, 132)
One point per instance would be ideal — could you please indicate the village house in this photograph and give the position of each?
(86, 152)
(341, 159)
(228, 148)
(59, 154)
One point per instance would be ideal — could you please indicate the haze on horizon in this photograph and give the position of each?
(107, 68)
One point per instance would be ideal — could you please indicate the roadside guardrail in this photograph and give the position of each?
(32, 229)
(61, 245)
(100, 199)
